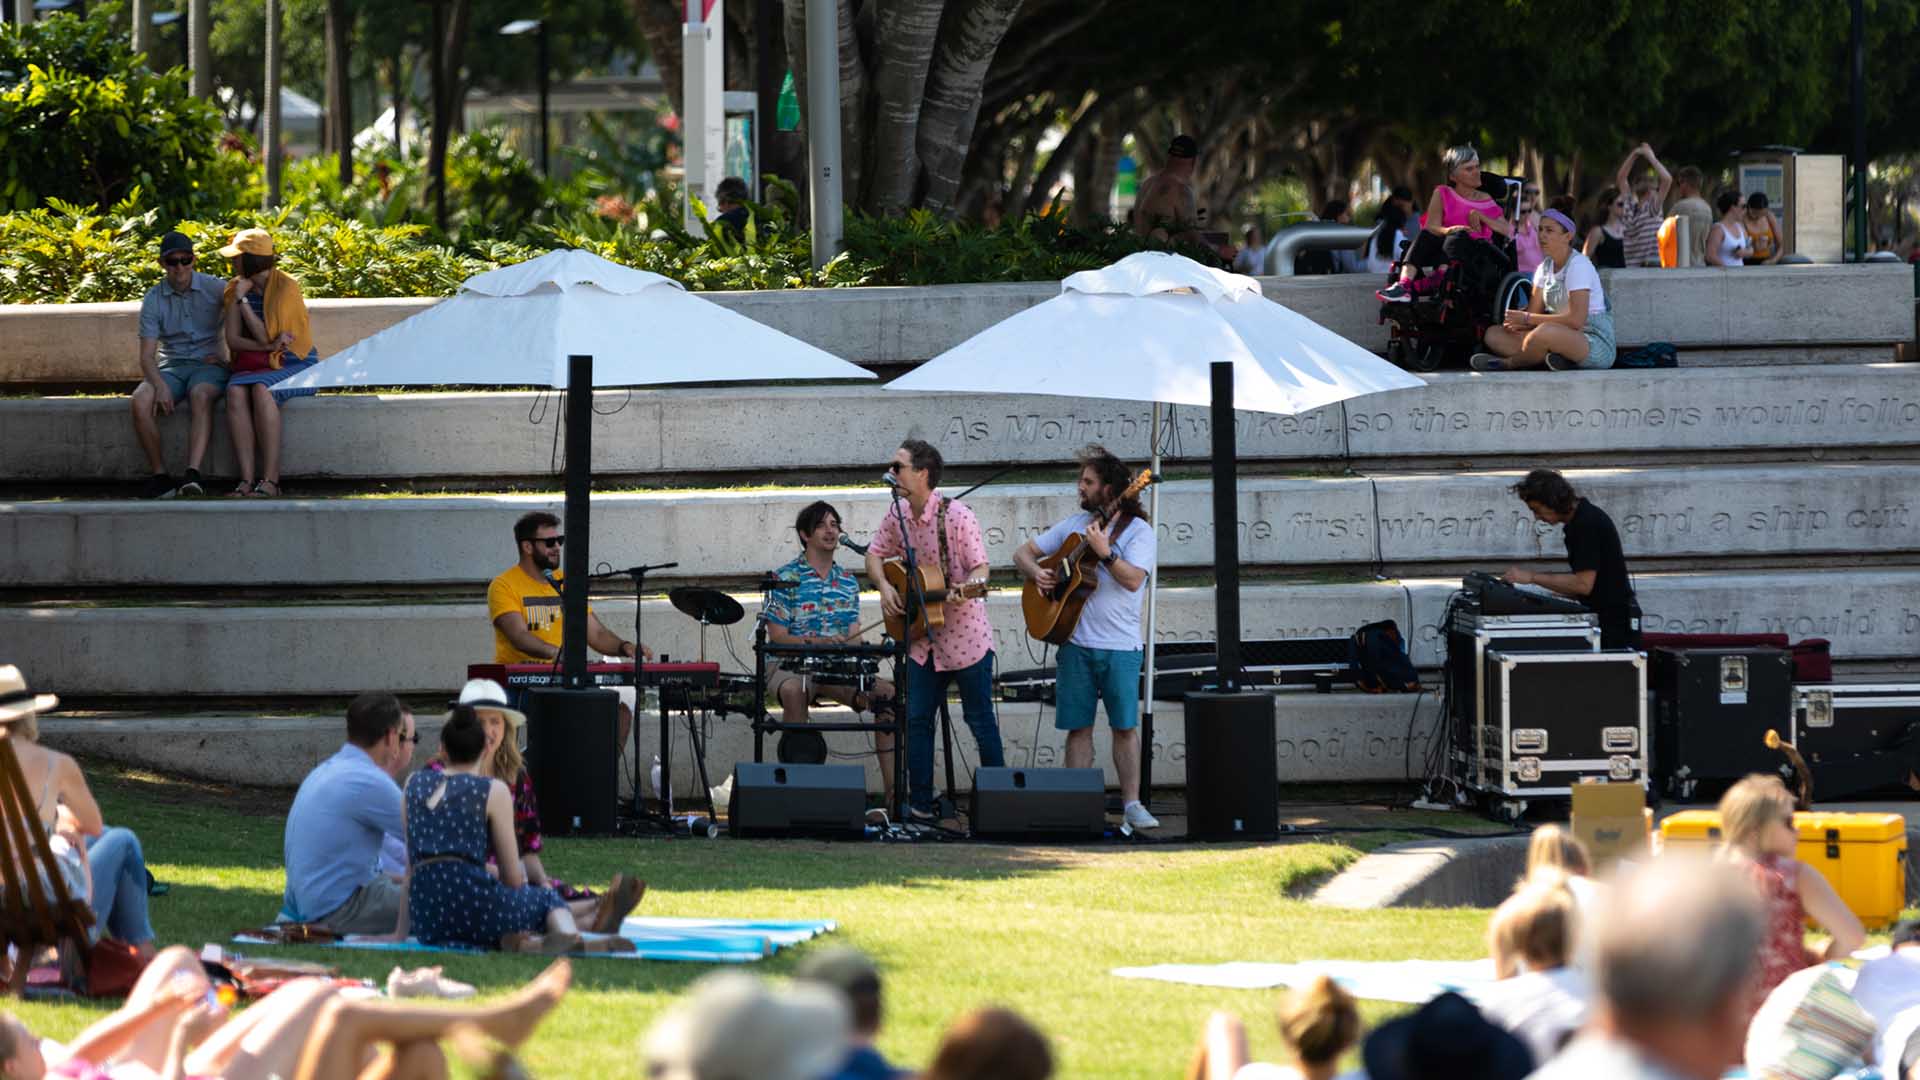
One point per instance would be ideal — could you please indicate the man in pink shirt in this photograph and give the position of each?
(943, 533)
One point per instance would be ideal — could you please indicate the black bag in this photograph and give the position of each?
(1377, 656)
(1657, 354)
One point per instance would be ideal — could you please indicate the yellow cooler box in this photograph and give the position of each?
(1863, 856)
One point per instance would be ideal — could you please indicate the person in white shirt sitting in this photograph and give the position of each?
(1539, 997)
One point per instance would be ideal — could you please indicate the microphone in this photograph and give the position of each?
(887, 479)
(849, 543)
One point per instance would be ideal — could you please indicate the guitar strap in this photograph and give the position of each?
(946, 570)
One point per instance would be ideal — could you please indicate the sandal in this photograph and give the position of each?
(266, 489)
(620, 900)
(540, 944)
(241, 491)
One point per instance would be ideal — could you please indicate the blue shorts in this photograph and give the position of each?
(183, 376)
(1090, 676)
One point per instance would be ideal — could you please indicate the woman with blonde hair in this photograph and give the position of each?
(1317, 1025)
(1758, 835)
(1540, 998)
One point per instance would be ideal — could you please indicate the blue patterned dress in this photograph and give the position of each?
(454, 901)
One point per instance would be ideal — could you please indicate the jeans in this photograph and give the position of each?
(926, 689)
(120, 886)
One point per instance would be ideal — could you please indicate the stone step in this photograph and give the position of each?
(1781, 512)
(1319, 738)
(1630, 416)
(1696, 308)
(166, 651)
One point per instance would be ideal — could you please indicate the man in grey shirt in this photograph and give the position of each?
(345, 809)
(182, 354)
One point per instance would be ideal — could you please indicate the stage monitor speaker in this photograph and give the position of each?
(1033, 803)
(572, 758)
(1233, 783)
(787, 800)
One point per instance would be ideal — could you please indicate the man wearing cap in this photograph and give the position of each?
(1168, 208)
(182, 355)
(849, 971)
(341, 816)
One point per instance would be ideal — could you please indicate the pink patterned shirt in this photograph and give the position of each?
(967, 635)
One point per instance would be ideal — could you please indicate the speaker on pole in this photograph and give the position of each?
(1033, 803)
(1233, 783)
(572, 758)
(771, 799)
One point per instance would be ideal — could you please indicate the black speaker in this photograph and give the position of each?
(787, 800)
(572, 758)
(1028, 803)
(1233, 784)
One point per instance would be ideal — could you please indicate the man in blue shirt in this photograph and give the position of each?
(823, 608)
(848, 971)
(344, 810)
(1101, 661)
(183, 354)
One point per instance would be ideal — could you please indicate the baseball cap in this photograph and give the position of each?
(487, 694)
(249, 242)
(736, 1025)
(174, 241)
(1183, 146)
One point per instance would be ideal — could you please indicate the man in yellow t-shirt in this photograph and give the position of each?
(525, 608)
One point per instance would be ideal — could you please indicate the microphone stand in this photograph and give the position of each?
(639, 576)
(904, 654)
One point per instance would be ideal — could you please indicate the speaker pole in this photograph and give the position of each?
(1226, 529)
(574, 557)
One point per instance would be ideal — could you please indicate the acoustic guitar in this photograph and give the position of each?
(1053, 613)
(916, 623)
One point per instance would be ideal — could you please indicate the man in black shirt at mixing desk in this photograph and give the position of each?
(1599, 578)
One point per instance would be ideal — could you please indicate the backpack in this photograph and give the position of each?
(1657, 354)
(1377, 656)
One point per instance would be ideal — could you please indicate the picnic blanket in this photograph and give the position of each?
(703, 941)
(1412, 982)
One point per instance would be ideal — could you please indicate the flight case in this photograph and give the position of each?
(1470, 637)
(1558, 718)
(1712, 709)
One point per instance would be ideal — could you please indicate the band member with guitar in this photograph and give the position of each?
(823, 609)
(1099, 661)
(946, 542)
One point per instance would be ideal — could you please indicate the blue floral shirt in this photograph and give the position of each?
(820, 607)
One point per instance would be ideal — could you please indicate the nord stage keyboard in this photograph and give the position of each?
(606, 673)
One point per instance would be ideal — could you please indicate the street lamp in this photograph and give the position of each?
(539, 29)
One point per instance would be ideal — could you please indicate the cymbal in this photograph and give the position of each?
(708, 605)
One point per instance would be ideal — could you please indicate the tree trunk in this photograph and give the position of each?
(199, 45)
(270, 148)
(853, 85)
(1040, 193)
(1020, 185)
(904, 35)
(339, 123)
(955, 87)
(449, 50)
(660, 22)
(142, 14)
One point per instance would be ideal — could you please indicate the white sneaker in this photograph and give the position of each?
(1137, 817)
(1486, 361)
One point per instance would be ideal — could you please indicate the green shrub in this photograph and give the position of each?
(82, 119)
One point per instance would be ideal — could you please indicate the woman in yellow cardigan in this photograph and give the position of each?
(267, 332)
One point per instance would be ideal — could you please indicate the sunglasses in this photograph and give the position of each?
(177, 260)
(895, 467)
(413, 738)
(550, 541)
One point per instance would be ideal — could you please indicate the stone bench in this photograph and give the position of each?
(301, 649)
(1621, 415)
(1698, 308)
(1787, 512)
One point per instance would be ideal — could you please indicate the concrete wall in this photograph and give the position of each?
(264, 650)
(1319, 738)
(1706, 308)
(1619, 413)
(1797, 510)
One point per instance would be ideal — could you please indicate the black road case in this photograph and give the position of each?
(1559, 718)
(1470, 637)
(1712, 708)
(1856, 736)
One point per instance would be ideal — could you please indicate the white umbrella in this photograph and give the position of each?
(1149, 328)
(517, 325)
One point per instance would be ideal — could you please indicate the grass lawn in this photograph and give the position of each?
(952, 926)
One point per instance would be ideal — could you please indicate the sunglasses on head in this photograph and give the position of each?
(177, 260)
(550, 541)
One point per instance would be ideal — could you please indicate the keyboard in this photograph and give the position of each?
(605, 673)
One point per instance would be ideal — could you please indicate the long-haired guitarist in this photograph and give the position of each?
(824, 609)
(960, 650)
(1100, 663)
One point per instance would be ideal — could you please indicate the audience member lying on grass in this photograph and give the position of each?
(453, 820)
(1317, 1025)
(102, 866)
(306, 1030)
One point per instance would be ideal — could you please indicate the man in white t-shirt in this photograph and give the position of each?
(1100, 663)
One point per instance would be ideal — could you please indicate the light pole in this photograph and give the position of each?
(539, 30)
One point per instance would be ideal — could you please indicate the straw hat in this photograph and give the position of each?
(249, 242)
(487, 694)
(16, 700)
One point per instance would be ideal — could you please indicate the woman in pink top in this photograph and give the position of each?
(1526, 233)
(1457, 206)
